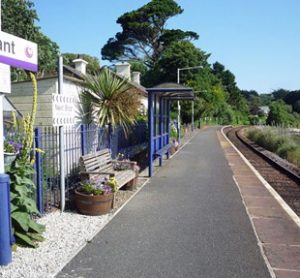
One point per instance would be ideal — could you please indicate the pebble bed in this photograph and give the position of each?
(66, 234)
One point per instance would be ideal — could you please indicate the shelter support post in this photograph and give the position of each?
(150, 126)
(161, 128)
(193, 112)
(168, 124)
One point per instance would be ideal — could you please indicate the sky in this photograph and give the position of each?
(257, 40)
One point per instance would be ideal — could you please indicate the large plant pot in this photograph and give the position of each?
(93, 204)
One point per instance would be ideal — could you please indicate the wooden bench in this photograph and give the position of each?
(99, 165)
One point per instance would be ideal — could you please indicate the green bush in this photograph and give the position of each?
(282, 145)
(288, 147)
(294, 156)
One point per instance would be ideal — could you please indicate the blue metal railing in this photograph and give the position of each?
(78, 141)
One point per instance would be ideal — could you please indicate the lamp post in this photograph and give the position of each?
(178, 104)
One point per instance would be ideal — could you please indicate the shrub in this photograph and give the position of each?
(282, 145)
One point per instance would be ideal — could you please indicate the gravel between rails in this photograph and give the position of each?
(66, 234)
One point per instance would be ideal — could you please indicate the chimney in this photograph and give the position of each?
(136, 77)
(80, 65)
(123, 69)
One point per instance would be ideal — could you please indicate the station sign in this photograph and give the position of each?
(17, 52)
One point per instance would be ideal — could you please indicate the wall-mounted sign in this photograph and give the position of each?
(18, 52)
(63, 110)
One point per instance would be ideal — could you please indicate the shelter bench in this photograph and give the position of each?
(164, 150)
(99, 165)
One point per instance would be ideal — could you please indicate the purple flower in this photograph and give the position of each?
(107, 189)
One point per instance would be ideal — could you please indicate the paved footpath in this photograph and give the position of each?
(189, 221)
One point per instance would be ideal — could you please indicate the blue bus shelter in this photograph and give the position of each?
(159, 103)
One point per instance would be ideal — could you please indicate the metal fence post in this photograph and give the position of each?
(62, 168)
(110, 131)
(83, 131)
(114, 142)
(5, 221)
(39, 170)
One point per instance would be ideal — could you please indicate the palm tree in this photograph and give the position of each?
(112, 100)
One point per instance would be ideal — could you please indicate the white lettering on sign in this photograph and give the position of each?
(18, 52)
(63, 110)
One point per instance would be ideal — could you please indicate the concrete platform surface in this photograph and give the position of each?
(189, 221)
(278, 234)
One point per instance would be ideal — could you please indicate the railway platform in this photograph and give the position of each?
(204, 214)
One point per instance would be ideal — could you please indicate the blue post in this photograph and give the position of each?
(5, 221)
(161, 127)
(39, 170)
(150, 125)
(168, 124)
(83, 131)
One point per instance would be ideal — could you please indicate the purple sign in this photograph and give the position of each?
(18, 52)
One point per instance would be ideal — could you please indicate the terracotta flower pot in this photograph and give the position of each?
(93, 204)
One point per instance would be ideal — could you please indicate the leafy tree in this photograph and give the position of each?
(18, 18)
(297, 106)
(280, 113)
(144, 36)
(266, 99)
(227, 78)
(254, 103)
(291, 98)
(93, 65)
(179, 55)
(248, 95)
(47, 54)
(113, 100)
(280, 94)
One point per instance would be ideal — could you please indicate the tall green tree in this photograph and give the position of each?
(18, 18)
(144, 35)
(181, 54)
(227, 78)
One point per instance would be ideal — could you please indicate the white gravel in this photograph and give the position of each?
(66, 234)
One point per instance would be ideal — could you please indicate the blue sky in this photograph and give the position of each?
(257, 40)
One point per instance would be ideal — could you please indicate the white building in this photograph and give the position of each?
(55, 109)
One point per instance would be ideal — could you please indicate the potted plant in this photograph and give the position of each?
(11, 150)
(96, 198)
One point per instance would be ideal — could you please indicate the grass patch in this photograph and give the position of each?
(283, 145)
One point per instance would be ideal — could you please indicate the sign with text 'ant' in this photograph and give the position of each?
(18, 52)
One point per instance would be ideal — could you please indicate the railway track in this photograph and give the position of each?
(285, 183)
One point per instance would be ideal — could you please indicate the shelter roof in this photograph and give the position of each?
(172, 91)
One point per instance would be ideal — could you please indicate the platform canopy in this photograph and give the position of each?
(159, 100)
(172, 91)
